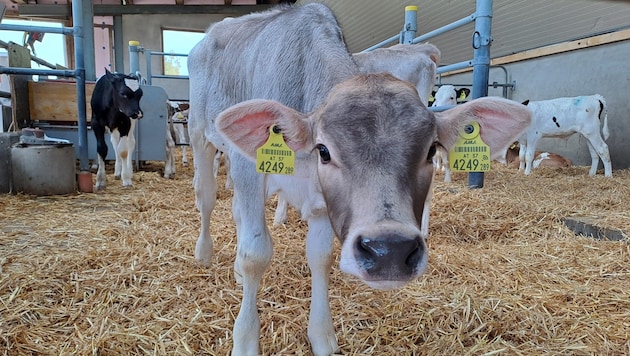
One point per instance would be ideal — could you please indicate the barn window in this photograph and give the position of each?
(47, 47)
(178, 42)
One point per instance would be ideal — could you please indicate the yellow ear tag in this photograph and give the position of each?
(469, 153)
(275, 157)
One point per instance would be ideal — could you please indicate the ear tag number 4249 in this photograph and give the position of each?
(275, 157)
(469, 153)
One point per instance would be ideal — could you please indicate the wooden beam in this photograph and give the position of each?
(563, 47)
(57, 101)
(64, 11)
(10, 10)
(20, 57)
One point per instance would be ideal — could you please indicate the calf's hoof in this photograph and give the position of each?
(203, 252)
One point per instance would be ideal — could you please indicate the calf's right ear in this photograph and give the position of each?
(246, 125)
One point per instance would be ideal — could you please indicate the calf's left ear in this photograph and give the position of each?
(501, 121)
(247, 125)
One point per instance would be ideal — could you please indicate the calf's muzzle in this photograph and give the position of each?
(389, 257)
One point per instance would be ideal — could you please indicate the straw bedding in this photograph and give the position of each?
(113, 273)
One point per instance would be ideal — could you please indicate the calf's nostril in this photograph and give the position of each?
(374, 247)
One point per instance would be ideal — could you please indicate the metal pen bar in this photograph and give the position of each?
(147, 57)
(455, 66)
(170, 76)
(382, 43)
(169, 54)
(445, 28)
(29, 71)
(44, 29)
(440, 108)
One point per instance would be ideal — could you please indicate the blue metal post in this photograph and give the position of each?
(411, 25)
(481, 65)
(119, 44)
(77, 17)
(88, 40)
(134, 58)
(149, 74)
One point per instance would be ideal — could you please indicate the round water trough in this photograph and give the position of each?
(43, 169)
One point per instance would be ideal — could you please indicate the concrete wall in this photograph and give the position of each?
(148, 31)
(601, 70)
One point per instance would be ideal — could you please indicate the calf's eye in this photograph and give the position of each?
(324, 155)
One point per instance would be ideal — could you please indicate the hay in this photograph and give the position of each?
(114, 273)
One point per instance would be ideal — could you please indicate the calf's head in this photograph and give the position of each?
(448, 95)
(126, 94)
(372, 141)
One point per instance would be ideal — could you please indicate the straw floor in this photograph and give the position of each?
(113, 273)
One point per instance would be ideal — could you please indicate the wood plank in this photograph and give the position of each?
(564, 47)
(591, 227)
(19, 57)
(607, 38)
(57, 101)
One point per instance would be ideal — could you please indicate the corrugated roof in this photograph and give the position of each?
(517, 25)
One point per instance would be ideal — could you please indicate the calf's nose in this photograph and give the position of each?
(390, 257)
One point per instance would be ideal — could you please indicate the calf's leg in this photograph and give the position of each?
(124, 155)
(253, 252)
(101, 148)
(319, 248)
(205, 185)
(599, 149)
(114, 138)
(281, 215)
(529, 150)
(169, 163)
(184, 155)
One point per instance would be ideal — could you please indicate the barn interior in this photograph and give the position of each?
(114, 272)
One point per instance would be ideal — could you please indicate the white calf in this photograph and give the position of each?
(415, 63)
(175, 134)
(447, 95)
(563, 117)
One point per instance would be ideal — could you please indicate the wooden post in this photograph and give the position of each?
(19, 57)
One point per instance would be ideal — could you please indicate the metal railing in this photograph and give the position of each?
(77, 31)
(482, 17)
(134, 63)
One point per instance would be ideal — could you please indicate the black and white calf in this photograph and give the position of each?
(115, 107)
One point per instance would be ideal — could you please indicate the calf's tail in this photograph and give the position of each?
(603, 109)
